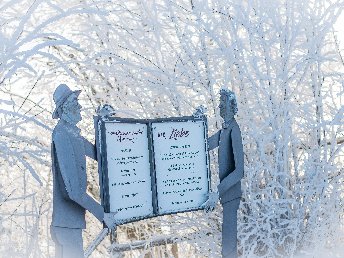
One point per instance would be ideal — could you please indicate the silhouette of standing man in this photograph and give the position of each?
(231, 171)
(70, 200)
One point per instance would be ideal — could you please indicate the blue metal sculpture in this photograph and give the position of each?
(231, 171)
(70, 200)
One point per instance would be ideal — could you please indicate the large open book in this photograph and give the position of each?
(152, 167)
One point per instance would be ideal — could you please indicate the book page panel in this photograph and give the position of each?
(128, 170)
(181, 165)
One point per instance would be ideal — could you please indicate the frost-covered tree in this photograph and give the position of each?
(282, 60)
(30, 32)
(163, 58)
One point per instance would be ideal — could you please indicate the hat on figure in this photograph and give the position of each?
(61, 94)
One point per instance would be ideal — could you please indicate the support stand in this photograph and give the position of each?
(141, 244)
(103, 233)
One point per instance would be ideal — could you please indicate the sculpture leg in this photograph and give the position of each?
(68, 242)
(229, 229)
(58, 246)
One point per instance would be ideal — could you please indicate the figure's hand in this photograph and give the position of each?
(110, 221)
(210, 204)
(105, 110)
(200, 111)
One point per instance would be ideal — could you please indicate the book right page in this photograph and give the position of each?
(181, 165)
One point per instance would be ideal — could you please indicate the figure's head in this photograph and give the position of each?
(228, 105)
(67, 106)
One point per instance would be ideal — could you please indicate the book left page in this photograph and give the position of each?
(128, 169)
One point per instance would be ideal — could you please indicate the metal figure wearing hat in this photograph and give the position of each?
(70, 200)
(231, 171)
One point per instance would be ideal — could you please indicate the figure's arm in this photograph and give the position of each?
(68, 169)
(238, 172)
(90, 149)
(213, 141)
(210, 203)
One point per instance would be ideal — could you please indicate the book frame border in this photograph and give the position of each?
(102, 159)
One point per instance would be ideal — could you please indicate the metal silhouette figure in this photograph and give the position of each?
(231, 171)
(70, 200)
